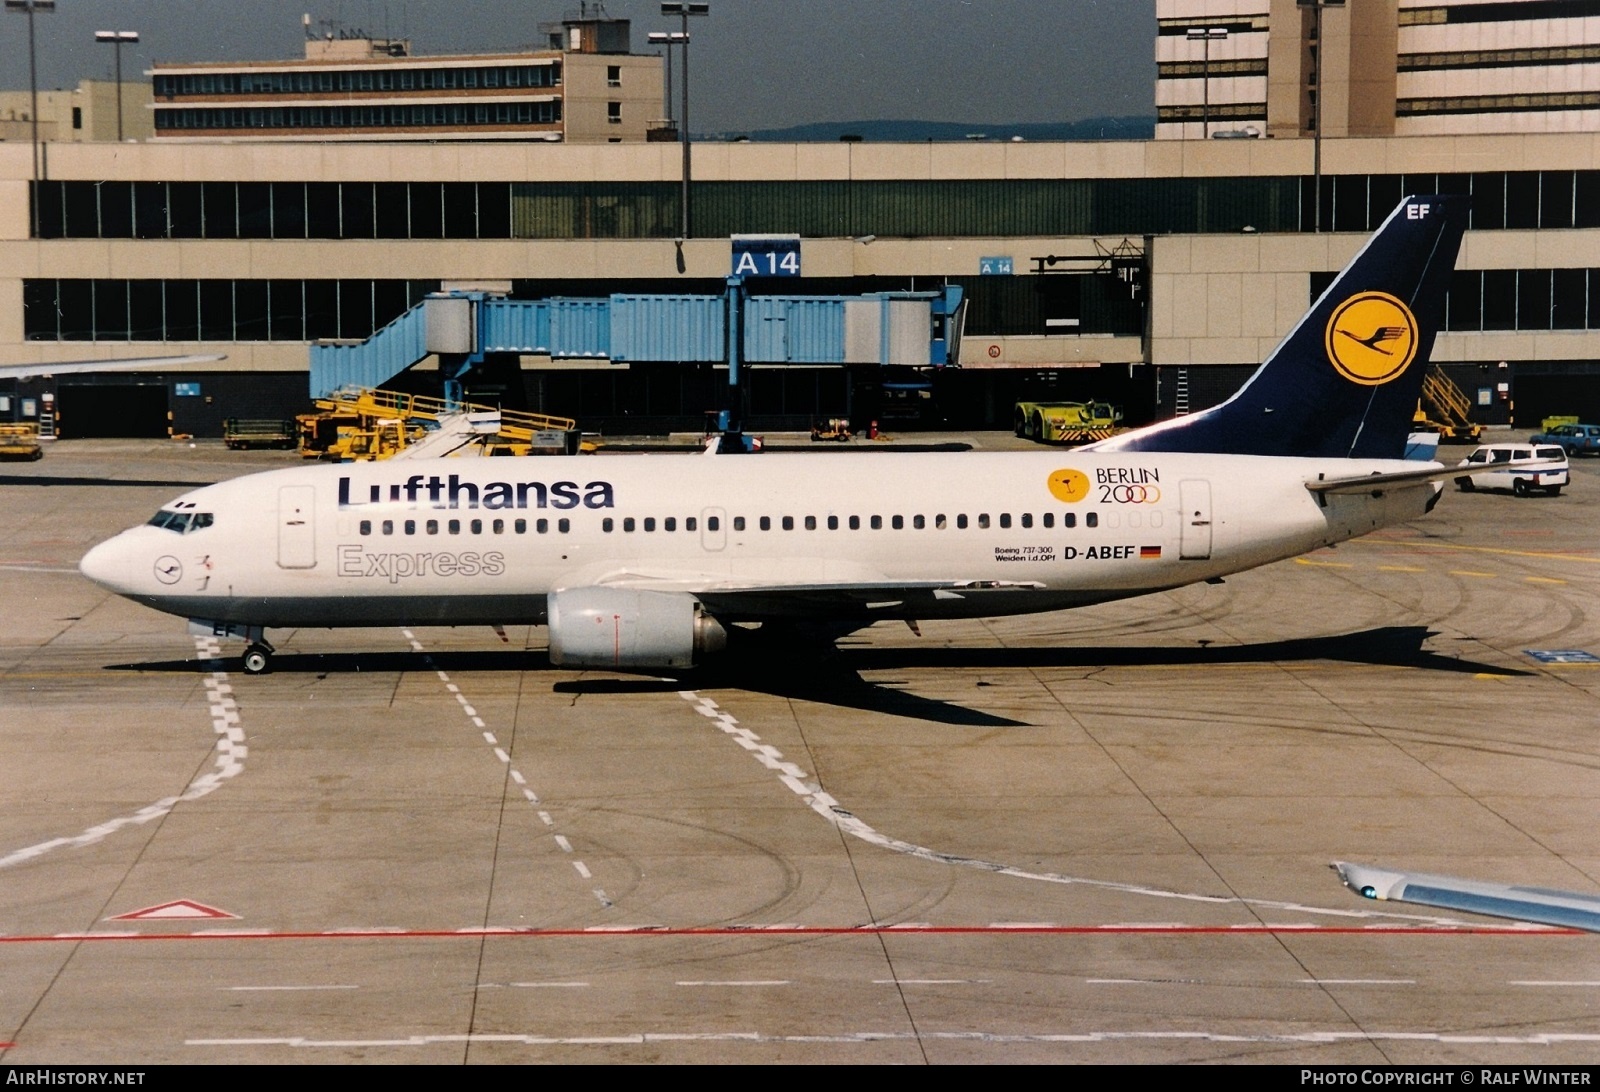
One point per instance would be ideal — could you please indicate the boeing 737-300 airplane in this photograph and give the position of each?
(645, 561)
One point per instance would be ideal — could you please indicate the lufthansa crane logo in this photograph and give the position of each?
(1372, 338)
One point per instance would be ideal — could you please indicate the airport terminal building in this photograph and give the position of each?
(1156, 273)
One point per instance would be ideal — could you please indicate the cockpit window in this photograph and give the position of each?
(181, 522)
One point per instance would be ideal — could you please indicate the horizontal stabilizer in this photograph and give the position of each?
(1368, 483)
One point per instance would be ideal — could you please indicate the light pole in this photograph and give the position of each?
(667, 38)
(683, 9)
(29, 7)
(1318, 59)
(117, 38)
(1205, 35)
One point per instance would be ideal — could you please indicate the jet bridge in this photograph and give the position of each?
(906, 328)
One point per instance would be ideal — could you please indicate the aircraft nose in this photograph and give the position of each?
(107, 565)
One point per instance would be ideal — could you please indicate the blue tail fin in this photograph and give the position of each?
(1345, 382)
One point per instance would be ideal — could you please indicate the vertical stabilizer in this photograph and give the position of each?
(1345, 382)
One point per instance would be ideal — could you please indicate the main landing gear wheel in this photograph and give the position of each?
(257, 658)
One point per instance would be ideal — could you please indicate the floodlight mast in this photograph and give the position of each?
(116, 38)
(683, 9)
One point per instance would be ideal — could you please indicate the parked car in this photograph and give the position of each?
(1487, 473)
(1574, 439)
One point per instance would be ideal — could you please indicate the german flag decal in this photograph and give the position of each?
(1149, 551)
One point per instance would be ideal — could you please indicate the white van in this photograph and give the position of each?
(1483, 462)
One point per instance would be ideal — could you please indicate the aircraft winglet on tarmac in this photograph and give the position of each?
(1564, 909)
(647, 561)
(132, 363)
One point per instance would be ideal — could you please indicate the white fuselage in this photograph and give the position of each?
(844, 535)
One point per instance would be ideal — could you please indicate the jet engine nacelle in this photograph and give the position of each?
(619, 627)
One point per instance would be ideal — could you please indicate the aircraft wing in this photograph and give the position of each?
(1568, 909)
(65, 367)
(756, 596)
(1368, 483)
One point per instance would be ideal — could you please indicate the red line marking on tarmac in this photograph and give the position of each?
(823, 930)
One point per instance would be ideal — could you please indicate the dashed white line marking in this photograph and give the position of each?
(812, 794)
(282, 989)
(231, 753)
(516, 776)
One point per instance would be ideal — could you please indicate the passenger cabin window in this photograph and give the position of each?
(898, 522)
(1091, 519)
(713, 523)
(738, 523)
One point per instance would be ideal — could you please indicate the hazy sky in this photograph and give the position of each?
(755, 64)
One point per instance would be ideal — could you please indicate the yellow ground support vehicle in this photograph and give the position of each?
(362, 423)
(1444, 409)
(20, 442)
(241, 434)
(1067, 422)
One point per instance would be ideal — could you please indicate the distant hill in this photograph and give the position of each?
(1125, 128)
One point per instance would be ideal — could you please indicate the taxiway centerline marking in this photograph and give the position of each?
(813, 796)
(1504, 550)
(231, 752)
(516, 776)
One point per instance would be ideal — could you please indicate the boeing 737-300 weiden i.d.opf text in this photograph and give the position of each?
(647, 561)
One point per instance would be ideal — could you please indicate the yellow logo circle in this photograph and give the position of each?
(1069, 485)
(1371, 338)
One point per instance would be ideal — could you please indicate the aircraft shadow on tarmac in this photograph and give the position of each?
(821, 672)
